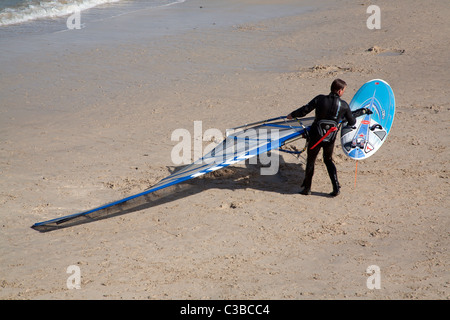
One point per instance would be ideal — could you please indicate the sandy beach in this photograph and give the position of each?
(86, 118)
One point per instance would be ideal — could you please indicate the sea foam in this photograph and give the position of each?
(41, 9)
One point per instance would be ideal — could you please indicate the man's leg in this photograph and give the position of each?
(309, 171)
(331, 168)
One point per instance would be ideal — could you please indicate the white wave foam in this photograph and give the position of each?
(46, 9)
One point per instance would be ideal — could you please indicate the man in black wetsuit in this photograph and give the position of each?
(330, 111)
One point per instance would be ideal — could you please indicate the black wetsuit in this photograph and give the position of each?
(328, 107)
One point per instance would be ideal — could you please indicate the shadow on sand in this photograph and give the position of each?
(285, 181)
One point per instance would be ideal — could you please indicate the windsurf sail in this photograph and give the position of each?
(241, 143)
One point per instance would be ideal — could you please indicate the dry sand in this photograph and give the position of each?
(89, 122)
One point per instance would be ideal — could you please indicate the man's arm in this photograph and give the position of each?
(303, 111)
(348, 115)
(359, 112)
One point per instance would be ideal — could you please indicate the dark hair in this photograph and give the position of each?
(337, 85)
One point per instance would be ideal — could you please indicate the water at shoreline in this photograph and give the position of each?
(54, 69)
(32, 17)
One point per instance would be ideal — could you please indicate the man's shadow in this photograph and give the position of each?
(286, 180)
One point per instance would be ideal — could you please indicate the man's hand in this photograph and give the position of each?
(289, 117)
(359, 112)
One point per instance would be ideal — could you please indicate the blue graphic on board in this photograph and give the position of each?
(371, 130)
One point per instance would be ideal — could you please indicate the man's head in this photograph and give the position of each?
(338, 86)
